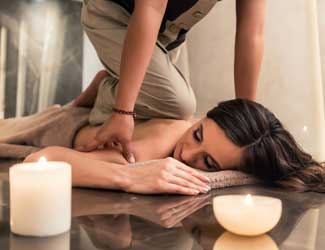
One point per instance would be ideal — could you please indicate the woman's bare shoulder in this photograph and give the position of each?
(161, 132)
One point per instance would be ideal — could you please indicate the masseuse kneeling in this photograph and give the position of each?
(138, 42)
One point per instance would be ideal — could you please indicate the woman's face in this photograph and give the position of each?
(205, 146)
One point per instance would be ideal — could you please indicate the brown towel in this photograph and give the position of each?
(58, 125)
(55, 126)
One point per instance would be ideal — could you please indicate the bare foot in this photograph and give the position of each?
(87, 97)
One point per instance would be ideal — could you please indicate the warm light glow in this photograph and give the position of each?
(42, 161)
(247, 215)
(305, 128)
(248, 199)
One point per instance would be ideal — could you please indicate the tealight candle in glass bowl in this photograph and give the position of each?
(247, 215)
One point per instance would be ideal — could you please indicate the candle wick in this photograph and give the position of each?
(248, 199)
(41, 162)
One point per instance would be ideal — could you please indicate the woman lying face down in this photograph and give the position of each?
(237, 134)
(205, 146)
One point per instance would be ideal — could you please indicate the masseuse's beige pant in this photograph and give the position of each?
(165, 93)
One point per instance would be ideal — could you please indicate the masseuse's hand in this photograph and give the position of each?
(117, 130)
(165, 176)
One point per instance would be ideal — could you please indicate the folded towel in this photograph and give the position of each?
(230, 178)
(58, 125)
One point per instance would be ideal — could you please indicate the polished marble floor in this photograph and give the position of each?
(117, 220)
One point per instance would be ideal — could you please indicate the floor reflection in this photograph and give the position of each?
(229, 241)
(140, 222)
(59, 242)
(118, 220)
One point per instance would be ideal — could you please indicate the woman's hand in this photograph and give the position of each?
(87, 98)
(165, 176)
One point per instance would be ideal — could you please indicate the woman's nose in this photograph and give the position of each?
(190, 154)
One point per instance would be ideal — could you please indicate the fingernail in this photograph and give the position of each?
(196, 191)
(131, 159)
(207, 178)
(206, 189)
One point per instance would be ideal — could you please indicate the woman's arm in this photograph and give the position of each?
(159, 176)
(87, 170)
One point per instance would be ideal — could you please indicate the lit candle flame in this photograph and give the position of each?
(42, 161)
(248, 199)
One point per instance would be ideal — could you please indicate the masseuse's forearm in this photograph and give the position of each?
(248, 60)
(249, 46)
(140, 40)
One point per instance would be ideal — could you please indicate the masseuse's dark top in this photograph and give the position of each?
(179, 17)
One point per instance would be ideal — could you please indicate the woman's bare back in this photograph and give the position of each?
(153, 139)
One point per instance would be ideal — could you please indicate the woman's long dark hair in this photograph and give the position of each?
(270, 151)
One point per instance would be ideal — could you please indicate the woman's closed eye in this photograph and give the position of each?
(197, 135)
(208, 165)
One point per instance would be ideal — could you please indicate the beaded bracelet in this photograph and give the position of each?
(123, 112)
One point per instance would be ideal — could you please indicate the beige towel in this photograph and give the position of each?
(58, 125)
(55, 126)
(229, 178)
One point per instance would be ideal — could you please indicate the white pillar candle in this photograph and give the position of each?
(247, 215)
(40, 198)
(229, 241)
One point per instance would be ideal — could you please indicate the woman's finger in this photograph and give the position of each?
(192, 171)
(182, 179)
(189, 177)
(178, 189)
